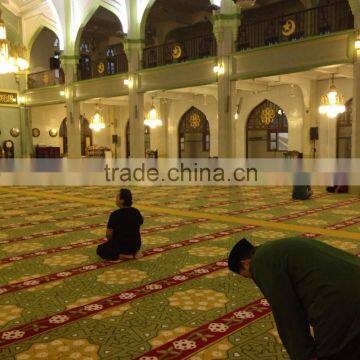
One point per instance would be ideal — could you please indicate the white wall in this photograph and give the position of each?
(45, 118)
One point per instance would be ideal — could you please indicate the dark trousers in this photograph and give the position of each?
(111, 250)
(350, 352)
(108, 251)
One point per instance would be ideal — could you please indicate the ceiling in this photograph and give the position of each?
(20, 6)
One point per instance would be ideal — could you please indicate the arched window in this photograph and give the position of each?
(344, 132)
(110, 52)
(84, 47)
(56, 44)
(267, 131)
(111, 61)
(194, 135)
(86, 135)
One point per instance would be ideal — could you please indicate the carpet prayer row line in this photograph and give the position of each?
(59, 301)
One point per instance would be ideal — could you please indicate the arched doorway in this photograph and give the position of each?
(146, 140)
(267, 131)
(86, 135)
(344, 132)
(194, 135)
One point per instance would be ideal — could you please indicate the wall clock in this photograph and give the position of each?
(14, 132)
(35, 132)
(53, 132)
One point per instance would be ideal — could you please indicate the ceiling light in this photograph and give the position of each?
(97, 122)
(12, 58)
(332, 104)
(152, 119)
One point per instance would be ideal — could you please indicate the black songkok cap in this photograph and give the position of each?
(239, 252)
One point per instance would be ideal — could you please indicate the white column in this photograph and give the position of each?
(225, 29)
(136, 99)
(26, 131)
(355, 141)
(69, 65)
(159, 135)
(327, 137)
(25, 124)
(310, 120)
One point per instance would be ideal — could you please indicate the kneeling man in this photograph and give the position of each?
(307, 283)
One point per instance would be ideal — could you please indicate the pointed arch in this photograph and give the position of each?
(266, 131)
(144, 7)
(86, 135)
(41, 23)
(119, 10)
(143, 11)
(194, 134)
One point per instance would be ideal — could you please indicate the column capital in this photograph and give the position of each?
(69, 59)
(133, 45)
(225, 25)
(355, 8)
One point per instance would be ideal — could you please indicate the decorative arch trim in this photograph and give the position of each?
(41, 24)
(200, 120)
(266, 115)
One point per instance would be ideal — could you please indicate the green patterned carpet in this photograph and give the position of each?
(58, 300)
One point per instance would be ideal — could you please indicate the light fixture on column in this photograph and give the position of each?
(332, 104)
(152, 118)
(97, 122)
(12, 58)
(219, 69)
(357, 40)
(236, 116)
(245, 4)
(128, 82)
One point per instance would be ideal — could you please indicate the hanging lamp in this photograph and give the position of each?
(332, 104)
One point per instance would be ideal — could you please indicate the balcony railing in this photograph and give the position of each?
(175, 52)
(321, 20)
(88, 69)
(46, 78)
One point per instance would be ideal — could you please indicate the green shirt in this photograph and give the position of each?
(310, 283)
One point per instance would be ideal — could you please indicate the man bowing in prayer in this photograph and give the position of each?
(307, 283)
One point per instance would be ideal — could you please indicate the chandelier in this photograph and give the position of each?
(245, 4)
(97, 122)
(12, 58)
(332, 104)
(152, 119)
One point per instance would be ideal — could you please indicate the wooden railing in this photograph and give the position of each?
(321, 20)
(103, 67)
(46, 78)
(174, 52)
